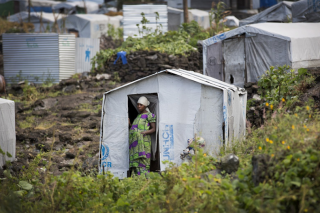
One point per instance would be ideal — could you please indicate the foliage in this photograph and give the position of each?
(195, 31)
(13, 27)
(116, 34)
(217, 13)
(283, 85)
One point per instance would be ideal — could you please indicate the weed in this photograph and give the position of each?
(28, 122)
(45, 125)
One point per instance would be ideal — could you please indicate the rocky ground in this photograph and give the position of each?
(63, 121)
(66, 121)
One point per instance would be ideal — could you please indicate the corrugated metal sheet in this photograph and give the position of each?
(67, 50)
(34, 56)
(132, 17)
(86, 49)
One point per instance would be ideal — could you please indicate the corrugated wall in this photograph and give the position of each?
(86, 49)
(132, 17)
(67, 49)
(31, 56)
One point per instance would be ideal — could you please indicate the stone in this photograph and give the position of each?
(260, 165)
(71, 82)
(103, 76)
(69, 89)
(40, 112)
(165, 66)
(65, 137)
(83, 85)
(71, 154)
(142, 63)
(247, 85)
(87, 138)
(83, 114)
(66, 163)
(252, 108)
(45, 104)
(230, 163)
(255, 87)
(131, 77)
(71, 114)
(152, 57)
(256, 97)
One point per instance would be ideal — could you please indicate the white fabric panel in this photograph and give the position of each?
(179, 100)
(91, 25)
(305, 49)
(215, 61)
(7, 130)
(209, 119)
(225, 116)
(234, 57)
(243, 110)
(200, 16)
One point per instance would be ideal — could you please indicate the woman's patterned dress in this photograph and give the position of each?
(140, 145)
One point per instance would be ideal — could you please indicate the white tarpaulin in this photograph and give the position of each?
(200, 16)
(270, 44)
(306, 11)
(7, 131)
(91, 25)
(203, 110)
(280, 12)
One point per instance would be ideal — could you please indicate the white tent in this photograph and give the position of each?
(280, 12)
(7, 131)
(306, 11)
(176, 18)
(244, 54)
(185, 103)
(42, 21)
(71, 6)
(91, 25)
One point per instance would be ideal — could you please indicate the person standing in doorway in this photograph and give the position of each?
(139, 138)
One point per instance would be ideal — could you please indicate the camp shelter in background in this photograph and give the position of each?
(7, 131)
(185, 103)
(81, 7)
(306, 11)
(91, 25)
(43, 22)
(132, 17)
(244, 54)
(176, 18)
(38, 57)
(280, 12)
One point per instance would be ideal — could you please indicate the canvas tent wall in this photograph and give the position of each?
(41, 6)
(188, 103)
(132, 17)
(280, 12)
(91, 25)
(43, 22)
(86, 49)
(38, 56)
(306, 11)
(7, 131)
(244, 54)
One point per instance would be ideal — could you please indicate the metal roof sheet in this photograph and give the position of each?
(193, 76)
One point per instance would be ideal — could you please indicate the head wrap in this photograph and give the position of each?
(144, 101)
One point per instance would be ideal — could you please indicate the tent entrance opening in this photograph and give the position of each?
(154, 108)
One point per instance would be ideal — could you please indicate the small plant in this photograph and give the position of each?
(217, 13)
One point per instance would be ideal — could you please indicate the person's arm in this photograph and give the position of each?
(129, 122)
(151, 130)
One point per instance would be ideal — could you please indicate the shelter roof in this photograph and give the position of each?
(93, 17)
(193, 76)
(286, 31)
(46, 17)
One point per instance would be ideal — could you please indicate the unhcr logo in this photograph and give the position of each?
(104, 151)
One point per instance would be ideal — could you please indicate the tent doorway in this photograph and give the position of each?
(154, 108)
(233, 54)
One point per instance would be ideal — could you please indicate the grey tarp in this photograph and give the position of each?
(215, 61)
(7, 130)
(280, 12)
(234, 57)
(306, 11)
(264, 51)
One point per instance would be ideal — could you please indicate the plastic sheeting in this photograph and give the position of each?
(280, 12)
(234, 57)
(202, 111)
(200, 16)
(215, 61)
(306, 11)
(91, 25)
(7, 130)
(272, 44)
(86, 49)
